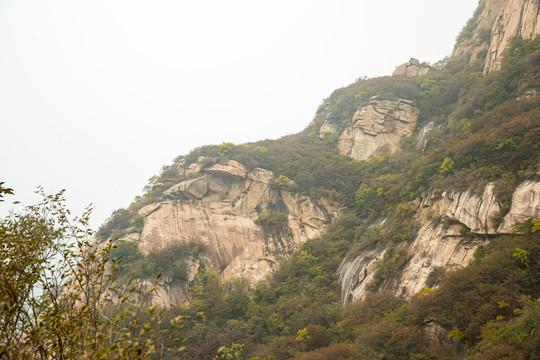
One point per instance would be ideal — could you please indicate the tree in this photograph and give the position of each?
(59, 295)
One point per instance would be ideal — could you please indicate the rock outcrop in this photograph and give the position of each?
(411, 68)
(525, 205)
(452, 226)
(328, 129)
(475, 40)
(517, 17)
(378, 128)
(219, 209)
(476, 212)
(493, 25)
(357, 273)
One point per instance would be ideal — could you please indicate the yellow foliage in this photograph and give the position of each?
(425, 291)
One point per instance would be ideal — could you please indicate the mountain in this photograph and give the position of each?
(403, 222)
(494, 23)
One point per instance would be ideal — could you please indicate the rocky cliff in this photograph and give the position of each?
(516, 18)
(452, 226)
(377, 128)
(474, 38)
(243, 220)
(494, 23)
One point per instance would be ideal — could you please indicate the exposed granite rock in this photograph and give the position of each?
(328, 129)
(167, 292)
(467, 207)
(525, 205)
(378, 128)
(436, 246)
(452, 226)
(232, 168)
(478, 42)
(412, 68)
(219, 211)
(424, 136)
(194, 188)
(354, 275)
(498, 21)
(516, 17)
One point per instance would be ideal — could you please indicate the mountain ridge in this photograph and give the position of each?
(397, 188)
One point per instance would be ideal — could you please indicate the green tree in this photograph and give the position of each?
(58, 294)
(447, 167)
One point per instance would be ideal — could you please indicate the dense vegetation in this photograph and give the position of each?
(488, 309)
(484, 129)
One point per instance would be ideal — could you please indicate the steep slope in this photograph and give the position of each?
(414, 199)
(451, 225)
(244, 221)
(486, 35)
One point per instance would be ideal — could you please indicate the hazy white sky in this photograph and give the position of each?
(97, 95)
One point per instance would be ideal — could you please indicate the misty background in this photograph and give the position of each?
(96, 96)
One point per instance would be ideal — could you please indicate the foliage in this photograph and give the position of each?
(484, 130)
(270, 218)
(171, 261)
(56, 287)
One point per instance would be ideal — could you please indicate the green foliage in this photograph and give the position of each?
(55, 289)
(127, 251)
(225, 150)
(270, 218)
(282, 181)
(468, 30)
(481, 133)
(261, 149)
(233, 352)
(447, 167)
(455, 335)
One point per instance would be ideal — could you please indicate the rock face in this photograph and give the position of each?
(378, 128)
(478, 41)
(452, 225)
(328, 129)
(356, 274)
(525, 204)
(412, 68)
(517, 17)
(466, 207)
(495, 23)
(219, 210)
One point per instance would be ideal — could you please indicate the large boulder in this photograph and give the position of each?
(411, 68)
(378, 128)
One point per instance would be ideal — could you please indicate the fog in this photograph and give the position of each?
(96, 96)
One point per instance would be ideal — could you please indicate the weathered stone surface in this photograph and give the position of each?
(194, 188)
(436, 246)
(525, 205)
(354, 275)
(167, 292)
(467, 207)
(158, 185)
(477, 42)
(412, 68)
(378, 128)
(443, 241)
(231, 168)
(440, 244)
(424, 136)
(148, 209)
(261, 175)
(220, 214)
(516, 17)
(328, 129)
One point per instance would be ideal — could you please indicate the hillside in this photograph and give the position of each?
(402, 223)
